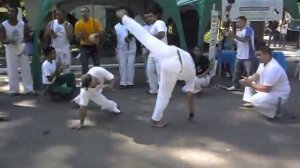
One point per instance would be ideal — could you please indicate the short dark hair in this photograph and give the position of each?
(15, 8)
(47, 50)
(63, 11)
(86, 79)
(265, 49)
(242, 18)
(155, 9)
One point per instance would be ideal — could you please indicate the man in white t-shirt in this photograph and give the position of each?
(61, 32)
(126, 51)
(269, 87)
(91, 89)
(57, 84)
(283, 33)
(158, 30)
(176, 64)
(245, 57)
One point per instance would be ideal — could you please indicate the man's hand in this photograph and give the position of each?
(245, 81)
(79, 35)
(120, 13)
(231, 34)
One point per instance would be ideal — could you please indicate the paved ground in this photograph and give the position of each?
(223, 136)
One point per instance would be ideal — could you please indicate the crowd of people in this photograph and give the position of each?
(266, 88)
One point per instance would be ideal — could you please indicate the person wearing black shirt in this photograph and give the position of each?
(202, 65)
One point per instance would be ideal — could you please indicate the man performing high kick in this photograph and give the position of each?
(176, 64)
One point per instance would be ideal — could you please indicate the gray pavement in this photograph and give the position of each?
(222, 136)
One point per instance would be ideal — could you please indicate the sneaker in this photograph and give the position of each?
(130, 86)
(14, 94)
(4, 117)
(33, 93)
(232, 88)
(152, 93)
(158, 124)
(247, 105)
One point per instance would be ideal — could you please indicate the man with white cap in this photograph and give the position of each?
(13, 33)
(91, 89)
(176, 64)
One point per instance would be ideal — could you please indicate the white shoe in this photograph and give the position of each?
(232, 88)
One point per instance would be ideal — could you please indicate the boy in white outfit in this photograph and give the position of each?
(13, 34)
(91, 89)
(61, 32)
(176, 64)
(126, 51)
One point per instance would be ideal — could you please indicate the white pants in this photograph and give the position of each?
(265, 103)
(145, 56)
(97, 97)
(126, 67)
(63, 56)
(13, 62)
(172, 66)
(199, 84)
(152, 73)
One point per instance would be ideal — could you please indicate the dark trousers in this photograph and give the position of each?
(87, 52)
(239, 67)
(58, 88)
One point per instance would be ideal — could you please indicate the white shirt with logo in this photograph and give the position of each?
(61, 41)
(245, 50)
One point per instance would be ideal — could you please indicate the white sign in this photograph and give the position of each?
(254, 10)
(213, 33)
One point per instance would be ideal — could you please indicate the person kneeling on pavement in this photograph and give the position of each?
(202, 64)
(57, 85)
(268, 88)
(91, 89)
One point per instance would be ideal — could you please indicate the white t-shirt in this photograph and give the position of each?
(61, 41)
(272, 74)
(245, 50)
(101, 74)
(15, 33)
(284, 29)
(48, 69)
(159, 26)
(122, 33)
(147, 27)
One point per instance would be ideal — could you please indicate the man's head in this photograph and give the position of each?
(49, 53)
(85, 13)
(152, 15)
(60, 15)
(12, 12)
(241, 22)
(197, 51)
(264, 54)
(88, 81)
